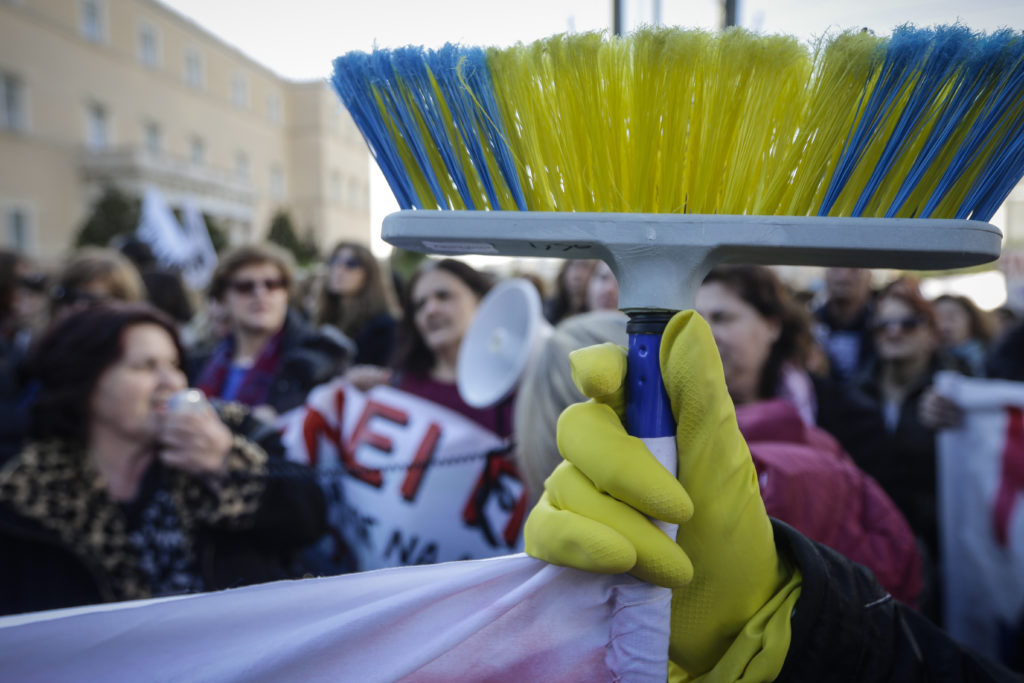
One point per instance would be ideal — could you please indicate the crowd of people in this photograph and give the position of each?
(117, 482)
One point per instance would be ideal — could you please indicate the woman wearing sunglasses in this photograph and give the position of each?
(356, 299)
(878, 417)
(270, 359)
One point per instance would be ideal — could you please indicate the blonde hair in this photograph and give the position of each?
(547, 389)
(102, 265)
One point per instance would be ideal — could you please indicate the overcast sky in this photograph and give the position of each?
(299, 38)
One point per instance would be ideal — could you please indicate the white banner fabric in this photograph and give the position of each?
(505, 619)
(201, 260)
(408, 481)
(981, 511)
(160, 230)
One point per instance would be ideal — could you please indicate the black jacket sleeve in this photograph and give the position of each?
(376, 341)
(847, 628)
(292, 512)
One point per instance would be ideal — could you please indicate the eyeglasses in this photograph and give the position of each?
(249, 286)
(349, 263)
(908, 324)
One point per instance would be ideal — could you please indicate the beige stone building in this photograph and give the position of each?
(131, 93)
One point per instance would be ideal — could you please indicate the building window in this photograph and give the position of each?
(240, 91)
(153, 138)
(334, 187)
(149, 46)
(275, 109)
(17, 229)
(277, 187)
(197, 151)
(242, 166)
(12, 103)
(194, 68)
(92, 20)
(97, 134)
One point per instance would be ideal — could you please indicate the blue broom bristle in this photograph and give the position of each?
(1002, 119)
(475, 116)
(966, 84)
(444, 65)
(950, 47)
(461, 120)
(906, 49)
(473, 68)
(352, 79)
(411, 106)
(949, 103)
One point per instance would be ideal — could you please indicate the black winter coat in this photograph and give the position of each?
(847, 628)
(267, 511)
(307, 358)
(376, 341)
(901, 461)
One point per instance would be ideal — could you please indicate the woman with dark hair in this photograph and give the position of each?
(355, 299)
(422, 476)
(764, 340)
(570, 297)
(438, 307)
(878, 419)
(440, 303)
(133, 488)
(763, 336)
(165, 287)
(965, 330)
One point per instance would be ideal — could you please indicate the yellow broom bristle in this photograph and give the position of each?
(674, 120)
(829, 109)
(659, 131)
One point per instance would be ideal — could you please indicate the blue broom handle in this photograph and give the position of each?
(648, 411)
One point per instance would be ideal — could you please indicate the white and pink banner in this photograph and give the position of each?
(504, 619)
(408, 481)
(981, 512)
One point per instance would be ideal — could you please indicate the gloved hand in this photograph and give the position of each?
(734, 613)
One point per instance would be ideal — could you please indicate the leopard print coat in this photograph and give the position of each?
(52, 484)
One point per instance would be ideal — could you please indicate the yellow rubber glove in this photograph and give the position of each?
(733, 616)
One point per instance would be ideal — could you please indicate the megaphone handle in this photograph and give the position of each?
(648, 410)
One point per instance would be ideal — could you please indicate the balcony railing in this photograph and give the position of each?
(216, 191)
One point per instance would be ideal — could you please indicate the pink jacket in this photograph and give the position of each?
(810, 483)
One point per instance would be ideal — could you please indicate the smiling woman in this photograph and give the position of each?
(125, 494)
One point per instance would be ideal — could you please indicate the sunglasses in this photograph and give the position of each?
(349, 263)
(249, 286)
(908, 324)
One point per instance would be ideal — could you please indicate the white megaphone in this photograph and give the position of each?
(508, 328)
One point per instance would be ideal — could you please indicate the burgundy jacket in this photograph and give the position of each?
(810, 483)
